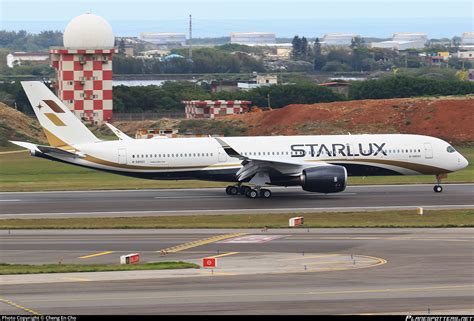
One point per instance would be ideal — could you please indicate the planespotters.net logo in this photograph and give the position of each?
(439, 318)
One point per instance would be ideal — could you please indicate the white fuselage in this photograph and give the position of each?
(204, 158)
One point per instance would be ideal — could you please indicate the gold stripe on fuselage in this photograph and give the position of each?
(420, 168)
(104, 162)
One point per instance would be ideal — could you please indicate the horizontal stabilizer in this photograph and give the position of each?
(121, 135)
(34, 149)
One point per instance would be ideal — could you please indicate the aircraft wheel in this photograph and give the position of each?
(244, 189)
(438, 188)
(265, 193)
(233, 190)
(252, 193)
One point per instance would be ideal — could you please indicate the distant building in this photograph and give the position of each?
(214, 108)
(468, 55)
(164, 38)
(253, 38)
(338, 39)
(172, 56)
(258, 81)
(156, 53)
(467, 40)
(403, 41)
(129, 51)
(283, 53)
(16, 58)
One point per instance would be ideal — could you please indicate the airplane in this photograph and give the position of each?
(319, 163)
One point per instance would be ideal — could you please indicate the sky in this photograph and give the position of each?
(212, 18)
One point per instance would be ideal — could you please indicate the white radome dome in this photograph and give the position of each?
(88, 31)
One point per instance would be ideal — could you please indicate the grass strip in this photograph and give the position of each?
(65, 268)
(405, 218)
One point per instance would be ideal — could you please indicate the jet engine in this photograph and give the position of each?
(324, 179)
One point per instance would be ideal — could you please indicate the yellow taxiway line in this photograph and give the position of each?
(190, 245)
(96, 254)
(13, 304)
(221, 255)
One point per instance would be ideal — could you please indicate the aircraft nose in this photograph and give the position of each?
(462, 161)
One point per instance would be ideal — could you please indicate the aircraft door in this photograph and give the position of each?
(428, 151)
(122, 156)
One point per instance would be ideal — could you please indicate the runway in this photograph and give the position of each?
(341, 271)
(215, 201)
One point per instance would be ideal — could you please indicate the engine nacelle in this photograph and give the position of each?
(324, 179)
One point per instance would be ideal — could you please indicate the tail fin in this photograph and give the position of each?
(61, 127)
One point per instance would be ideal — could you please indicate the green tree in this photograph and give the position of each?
(304, 48)
(357, 42)
(296, 48)
(401, 86)
(319, 58)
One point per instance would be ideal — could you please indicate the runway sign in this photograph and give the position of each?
(253, 239)
(209, 262)
(130, 258)
(296, 221)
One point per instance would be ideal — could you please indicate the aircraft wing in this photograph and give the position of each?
(121, 135)
(259, 165)
(48, 150)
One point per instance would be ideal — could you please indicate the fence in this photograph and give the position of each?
(145, 116)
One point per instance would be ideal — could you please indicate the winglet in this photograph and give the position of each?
(121, 135)
(228, 149)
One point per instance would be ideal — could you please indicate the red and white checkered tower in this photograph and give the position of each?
(84, 67)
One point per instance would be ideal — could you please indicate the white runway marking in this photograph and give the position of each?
(10, 200)
(253, 239)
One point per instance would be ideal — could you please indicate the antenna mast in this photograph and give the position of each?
(190, 37)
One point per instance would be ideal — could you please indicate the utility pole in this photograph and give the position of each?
(190, 37)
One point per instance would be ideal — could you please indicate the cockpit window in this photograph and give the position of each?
(450, 149)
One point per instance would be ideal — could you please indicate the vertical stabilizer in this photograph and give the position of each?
(61, 127)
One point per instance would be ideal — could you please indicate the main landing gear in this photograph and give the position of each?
(248, 191)
(438, 188)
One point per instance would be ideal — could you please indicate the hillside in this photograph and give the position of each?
(449, 118)
(15, 125)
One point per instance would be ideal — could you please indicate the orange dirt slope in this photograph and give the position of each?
(448, 118)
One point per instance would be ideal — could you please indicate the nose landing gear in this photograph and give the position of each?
(438, 188)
